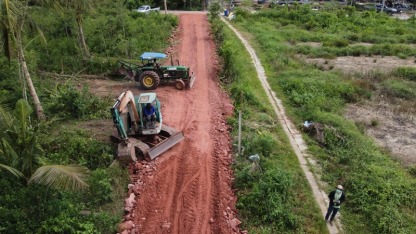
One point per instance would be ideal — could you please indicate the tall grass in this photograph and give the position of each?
(112, 32)
(378, 188)
(274, 197)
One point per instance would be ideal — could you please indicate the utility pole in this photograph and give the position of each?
(166, 7)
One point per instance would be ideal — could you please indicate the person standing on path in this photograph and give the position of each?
(336, 197)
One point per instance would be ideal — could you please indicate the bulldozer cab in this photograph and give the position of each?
(154, 126)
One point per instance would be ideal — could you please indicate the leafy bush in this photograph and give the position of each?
(101, 189)
(65, 223)
(270, 201)
(338, 42)
(10, 83)
(400, 88)
(262, 143)
(36, 209)
(214, 10)
(408, 73)
(66, 102)
(78, 147)
(104, 222)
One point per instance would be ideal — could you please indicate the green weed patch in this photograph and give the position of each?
(377, 187)
(273, 195)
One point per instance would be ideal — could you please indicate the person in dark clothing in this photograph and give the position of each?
(336, 197)
(149, 114)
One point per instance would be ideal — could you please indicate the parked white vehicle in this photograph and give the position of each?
(147, 9)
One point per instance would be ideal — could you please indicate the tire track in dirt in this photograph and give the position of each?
(187, 222)
(185, 206)
(215, 169)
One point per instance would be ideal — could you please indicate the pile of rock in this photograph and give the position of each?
(127, 226)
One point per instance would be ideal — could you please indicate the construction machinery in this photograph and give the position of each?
(150, 73)
(139, 139)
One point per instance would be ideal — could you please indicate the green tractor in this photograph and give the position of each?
(150, 74)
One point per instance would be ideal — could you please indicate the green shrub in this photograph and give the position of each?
(337, 42)
(101, 189)
(66, 102)
(64, 223)
(408, 73)
(105, 222)
(270, 201)
(412, 170)
(214, 10)
(400, 88)
(262, 143)
(37, 209)
(127, 34)
(10, 84)
(78, 147)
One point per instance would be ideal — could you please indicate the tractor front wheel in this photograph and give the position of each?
(149, 80)
(179, 84)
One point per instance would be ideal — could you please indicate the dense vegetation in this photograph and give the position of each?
(37, 156)
(171, 5)
(378, 188)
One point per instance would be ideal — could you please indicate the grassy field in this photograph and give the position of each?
(273, 197)
(378, 188)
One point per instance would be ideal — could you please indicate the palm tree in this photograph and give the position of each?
(80, 7)
(21, 153)
(12, 21)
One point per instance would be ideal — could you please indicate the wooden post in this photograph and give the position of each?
(239, 132)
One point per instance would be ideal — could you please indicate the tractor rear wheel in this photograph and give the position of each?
(179, 84)
(149, 80)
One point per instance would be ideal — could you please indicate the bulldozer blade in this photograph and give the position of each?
(127, 72)
(165, 145)
(192, 80)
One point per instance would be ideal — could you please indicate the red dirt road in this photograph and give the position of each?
(188, 188)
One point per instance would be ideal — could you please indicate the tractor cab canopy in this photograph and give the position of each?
(152, 55)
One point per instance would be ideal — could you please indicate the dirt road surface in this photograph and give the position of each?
(188, 188)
